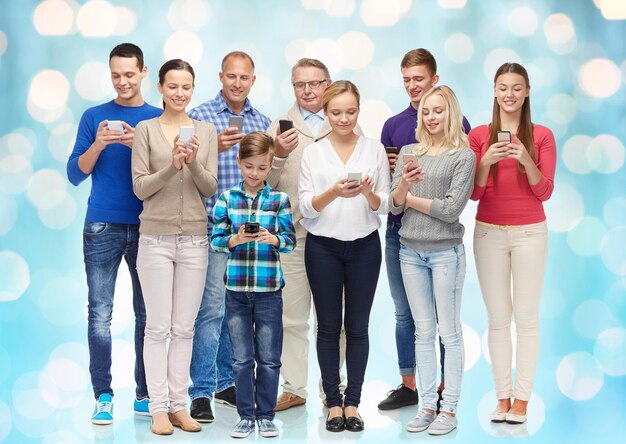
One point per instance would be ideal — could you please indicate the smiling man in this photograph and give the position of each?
(211, 362)
(112, 222)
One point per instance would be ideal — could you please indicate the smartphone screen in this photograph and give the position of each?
(185, 133)
(410, 157)
(115, 125)
(285, 125)
(392, 150)
(504, 136)
(355, 179)
(236, 121)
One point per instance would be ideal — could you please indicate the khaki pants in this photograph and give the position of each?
(511, 261)
(172, 271)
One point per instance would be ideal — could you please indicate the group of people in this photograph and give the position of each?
(202, 203)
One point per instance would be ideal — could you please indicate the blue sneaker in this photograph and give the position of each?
(141, 407)
(243, 429)
(103, 412)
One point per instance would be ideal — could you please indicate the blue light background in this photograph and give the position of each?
(577, 90)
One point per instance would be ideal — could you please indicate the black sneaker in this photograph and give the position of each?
(201, 410)
(400, 397)
(228, 397)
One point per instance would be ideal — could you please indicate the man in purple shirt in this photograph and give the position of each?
(419, 74)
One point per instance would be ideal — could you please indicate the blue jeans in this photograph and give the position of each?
(104, 245)
(434, 283)
(256, 325)
(212, 356)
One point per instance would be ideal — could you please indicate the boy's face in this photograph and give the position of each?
(255, 169)
(417, 81)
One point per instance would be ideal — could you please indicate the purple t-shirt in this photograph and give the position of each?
(399, 130)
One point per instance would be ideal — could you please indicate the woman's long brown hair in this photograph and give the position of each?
(525, 129)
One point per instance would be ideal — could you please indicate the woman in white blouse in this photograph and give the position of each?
(343, 253)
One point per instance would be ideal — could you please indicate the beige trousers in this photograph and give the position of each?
(172, 270)
(511, 261)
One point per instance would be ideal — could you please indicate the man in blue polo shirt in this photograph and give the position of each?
(211, 361)
(419, 74)
(111, 228)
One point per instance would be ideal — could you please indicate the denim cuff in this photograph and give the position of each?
(407, 371)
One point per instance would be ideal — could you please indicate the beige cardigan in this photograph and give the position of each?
(173, 200)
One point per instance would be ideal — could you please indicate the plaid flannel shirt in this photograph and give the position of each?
(253, 267)
(218, 113)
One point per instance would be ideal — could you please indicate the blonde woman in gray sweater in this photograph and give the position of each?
(172, 177)
(432, 183)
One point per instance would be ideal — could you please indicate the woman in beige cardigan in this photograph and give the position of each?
(172, 178)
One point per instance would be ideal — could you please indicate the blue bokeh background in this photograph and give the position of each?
(53, 65)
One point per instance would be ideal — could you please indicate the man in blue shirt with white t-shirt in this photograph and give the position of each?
(211, 361)
(111, 230)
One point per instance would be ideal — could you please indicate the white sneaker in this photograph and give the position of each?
(443, 425)
(421, 421)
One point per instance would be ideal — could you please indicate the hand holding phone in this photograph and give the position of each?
(285, 125)
(251, 227)
(115, 125)
(354, 179)
(504, 136)
(186, 133)
(410, 158)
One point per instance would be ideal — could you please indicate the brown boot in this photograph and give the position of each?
(287, 400)
(161, 425)
(182, 419)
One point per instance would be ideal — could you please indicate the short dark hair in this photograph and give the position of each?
(128, 50)
(419, 56)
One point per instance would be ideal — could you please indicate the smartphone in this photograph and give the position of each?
(236, 121)
(185, 133)
(251, 227)
(115, 125)
(410, 157)
(354, 177)
(504, 136)
(285, 125)
(392, 150)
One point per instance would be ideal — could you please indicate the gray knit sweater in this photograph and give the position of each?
(448, 181)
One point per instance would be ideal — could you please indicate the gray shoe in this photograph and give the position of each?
(267, 428)
(243, 429)
(443, 424)
(421, 421)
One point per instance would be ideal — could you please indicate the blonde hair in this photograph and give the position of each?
(453, 135)
(336, 89)
(256, 143)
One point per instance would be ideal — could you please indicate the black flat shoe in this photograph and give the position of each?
(355, 424)
(336, 424)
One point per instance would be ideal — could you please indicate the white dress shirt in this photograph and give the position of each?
(313, 120)
(345, 219)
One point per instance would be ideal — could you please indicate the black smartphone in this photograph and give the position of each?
(504, 136)
(392, 150)
(285, 125)
(236, 121)
(251, 227)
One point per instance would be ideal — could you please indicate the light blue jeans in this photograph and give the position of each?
(434, 282)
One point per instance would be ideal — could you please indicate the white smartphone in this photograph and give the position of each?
(115, 125)
(236, 121)
(410, 157)
(355, 178)
(185, 133)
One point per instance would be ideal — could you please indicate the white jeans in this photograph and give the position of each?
(511, 262)
(172, 270)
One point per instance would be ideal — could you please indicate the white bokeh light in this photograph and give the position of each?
(600, 78)
(561, 108)
(4, 43)
(613, 9)
(93, 81)
(452, 4)
(613, 257)
(560, 33)
(188, 15)
(372, 117)
(535, 418)
(471, 341)
(61, 141)
(8, 215)
(614, 211)
(585, 238)
(15, 172)
(62, 383)
(313, 5)
(126, 21)
(97, 18)
(294, 50)
(53, 17)
(543, 72)
(579, 377)
(574, 154)
(49, 90)
(522, 21)
(339, 8)
(5, 421)
(59, 216)
(591, 317)
(606, 154)
(47, 188)
(496, 58)
(15, 276)
(383, 12)
(327, 50)
(610, 350)
(63, 311)
(459, 48)
(184, 45)
(565, 209)
(357, 48)
(19, 142)
(26, 394)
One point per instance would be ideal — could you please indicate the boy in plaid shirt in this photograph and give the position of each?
(253, 223)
